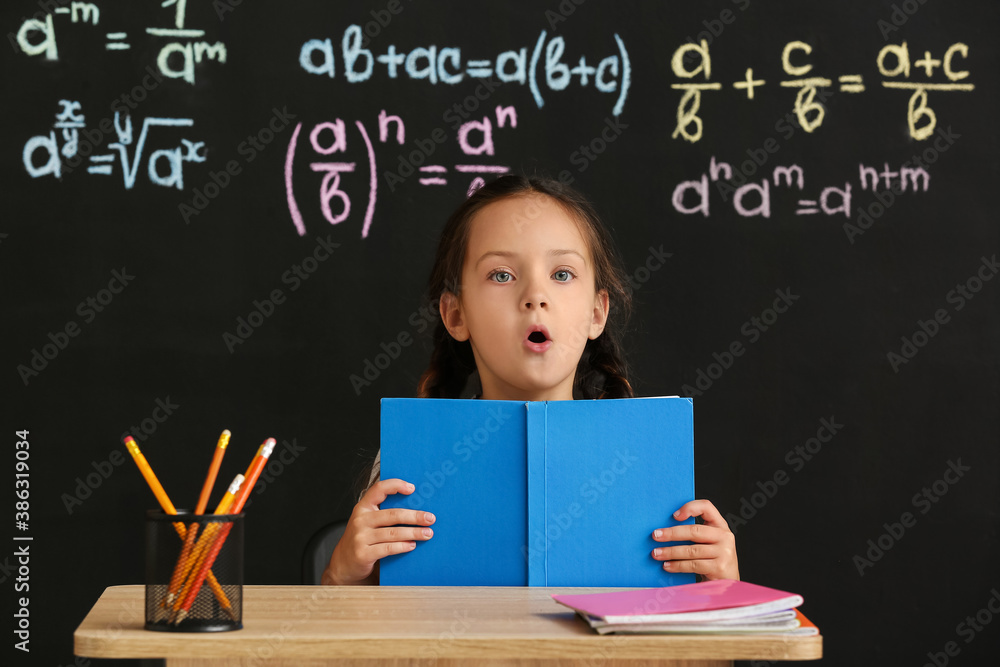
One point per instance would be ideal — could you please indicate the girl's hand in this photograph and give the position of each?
(713, 554)
(372, 534)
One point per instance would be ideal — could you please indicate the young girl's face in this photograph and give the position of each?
(527, 302)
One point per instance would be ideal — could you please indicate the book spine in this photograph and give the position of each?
(536, 541)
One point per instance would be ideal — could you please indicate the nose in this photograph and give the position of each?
(534, 296)
(530, 305)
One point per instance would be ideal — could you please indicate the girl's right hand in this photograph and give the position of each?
(372, 534)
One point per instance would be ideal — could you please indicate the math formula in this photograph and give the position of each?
(164, 166)
(611, 75)
(895, 63)
(754, 199)
(38, 37)
(335, 167)
(331, 138)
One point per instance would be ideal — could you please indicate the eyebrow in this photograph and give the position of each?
(551, 253)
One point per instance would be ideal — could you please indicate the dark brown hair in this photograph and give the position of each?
(601, 371)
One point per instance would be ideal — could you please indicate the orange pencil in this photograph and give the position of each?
(147, 472)
(206, 491)
(253, 472)
(213, 471)
(205, 540)
(186, 559)
(167, 506)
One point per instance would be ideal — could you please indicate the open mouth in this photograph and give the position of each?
(537, 337)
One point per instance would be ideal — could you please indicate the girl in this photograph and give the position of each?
(532, 302)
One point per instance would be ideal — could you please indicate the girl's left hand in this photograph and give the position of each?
(713, 554)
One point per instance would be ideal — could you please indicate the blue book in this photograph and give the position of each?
(548, 493)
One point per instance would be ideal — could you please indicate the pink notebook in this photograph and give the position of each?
(707, 600)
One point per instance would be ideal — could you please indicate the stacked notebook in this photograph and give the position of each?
(722, 606)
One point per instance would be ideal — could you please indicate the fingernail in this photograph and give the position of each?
(412, 545)
(409, 486)
(677, 515)
(668, 565)
(657, 533)
(428, 517)
(657, 552)
(428, 532)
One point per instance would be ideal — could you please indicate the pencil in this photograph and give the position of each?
(168, 507)
(206, 490)
(253, 472)
(205, 541)
(150, 476)
(186, 558)
(213, 471)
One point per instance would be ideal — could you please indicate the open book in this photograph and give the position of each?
(554, 493)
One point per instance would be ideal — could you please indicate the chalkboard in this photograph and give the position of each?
(222, 215)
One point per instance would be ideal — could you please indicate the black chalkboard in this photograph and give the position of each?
(822, 281)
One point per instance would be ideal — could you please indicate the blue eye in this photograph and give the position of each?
(501, 276)
(562, 275)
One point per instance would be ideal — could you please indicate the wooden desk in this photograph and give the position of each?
(308, 626)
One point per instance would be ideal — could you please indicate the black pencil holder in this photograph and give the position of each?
(194, 584)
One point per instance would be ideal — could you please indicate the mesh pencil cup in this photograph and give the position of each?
(194, 582)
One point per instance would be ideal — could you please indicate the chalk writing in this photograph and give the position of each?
(612, 74)
(37, 37)
(329, 138)
(70, 121)
(754, 199)
(893, 61)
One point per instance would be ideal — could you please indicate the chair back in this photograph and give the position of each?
(318, 551)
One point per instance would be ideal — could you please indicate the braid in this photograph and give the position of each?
(449, 368)
(602, 371)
